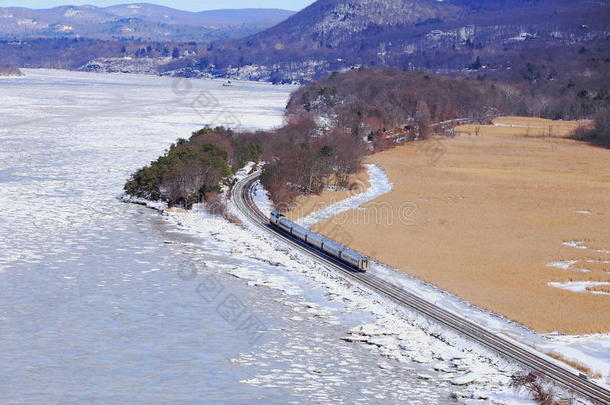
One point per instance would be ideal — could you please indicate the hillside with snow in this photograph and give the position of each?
(442, 36)
(135, 21)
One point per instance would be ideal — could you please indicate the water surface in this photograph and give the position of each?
(102, 302)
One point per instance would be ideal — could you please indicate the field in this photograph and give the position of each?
(495, 215)
(306, 205)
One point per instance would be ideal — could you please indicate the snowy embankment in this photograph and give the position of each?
(397, 334)
(379, 185)
(591, 350)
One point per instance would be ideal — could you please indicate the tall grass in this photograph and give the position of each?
(575, 364)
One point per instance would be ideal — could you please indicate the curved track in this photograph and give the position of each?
(242, 196)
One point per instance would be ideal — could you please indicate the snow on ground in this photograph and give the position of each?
(397, 335)
(592, 350)
(575, 244)
(379, 185)
(568, 264)
(563, 265)
(261, 199)
(581, 286)
(598, 261)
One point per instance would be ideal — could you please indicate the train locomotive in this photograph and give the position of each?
(341, 253)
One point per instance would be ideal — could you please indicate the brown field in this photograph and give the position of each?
(530, 126)
(483, 215)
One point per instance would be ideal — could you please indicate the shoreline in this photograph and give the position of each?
(220, 80)
(393, 324)
(565, 345)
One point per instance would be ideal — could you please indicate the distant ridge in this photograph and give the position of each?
(537, 41)
(135, 21)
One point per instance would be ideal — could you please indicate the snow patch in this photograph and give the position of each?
(564, 265)
(581, 286)
(261, 199)
(380, 185)
(575, 244)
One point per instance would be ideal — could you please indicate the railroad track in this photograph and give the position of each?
(242, 196)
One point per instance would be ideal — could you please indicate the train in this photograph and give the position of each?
(331, 248)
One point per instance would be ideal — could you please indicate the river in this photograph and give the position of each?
(102, 301)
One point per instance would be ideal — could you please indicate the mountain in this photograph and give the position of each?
(135, 21)
(261, 17)
(539, 41)
(442, 36)
(331, 22)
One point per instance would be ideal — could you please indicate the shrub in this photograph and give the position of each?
(599, 133)
(542, 391)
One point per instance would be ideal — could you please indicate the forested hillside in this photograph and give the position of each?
(537, 41)
(395, 95)
(332, 124)
(497, 38)
(383, 72)
(74, 54)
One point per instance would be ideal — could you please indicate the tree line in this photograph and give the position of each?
(73, 53)
(331, 125)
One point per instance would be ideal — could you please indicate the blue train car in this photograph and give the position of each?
(327, 246)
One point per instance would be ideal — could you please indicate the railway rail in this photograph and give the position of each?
(242, 196)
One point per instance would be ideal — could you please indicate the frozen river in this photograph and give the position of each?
(107, 302)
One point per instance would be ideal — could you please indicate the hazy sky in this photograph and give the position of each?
(192, 5)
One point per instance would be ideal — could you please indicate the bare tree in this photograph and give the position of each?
(542, 391)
